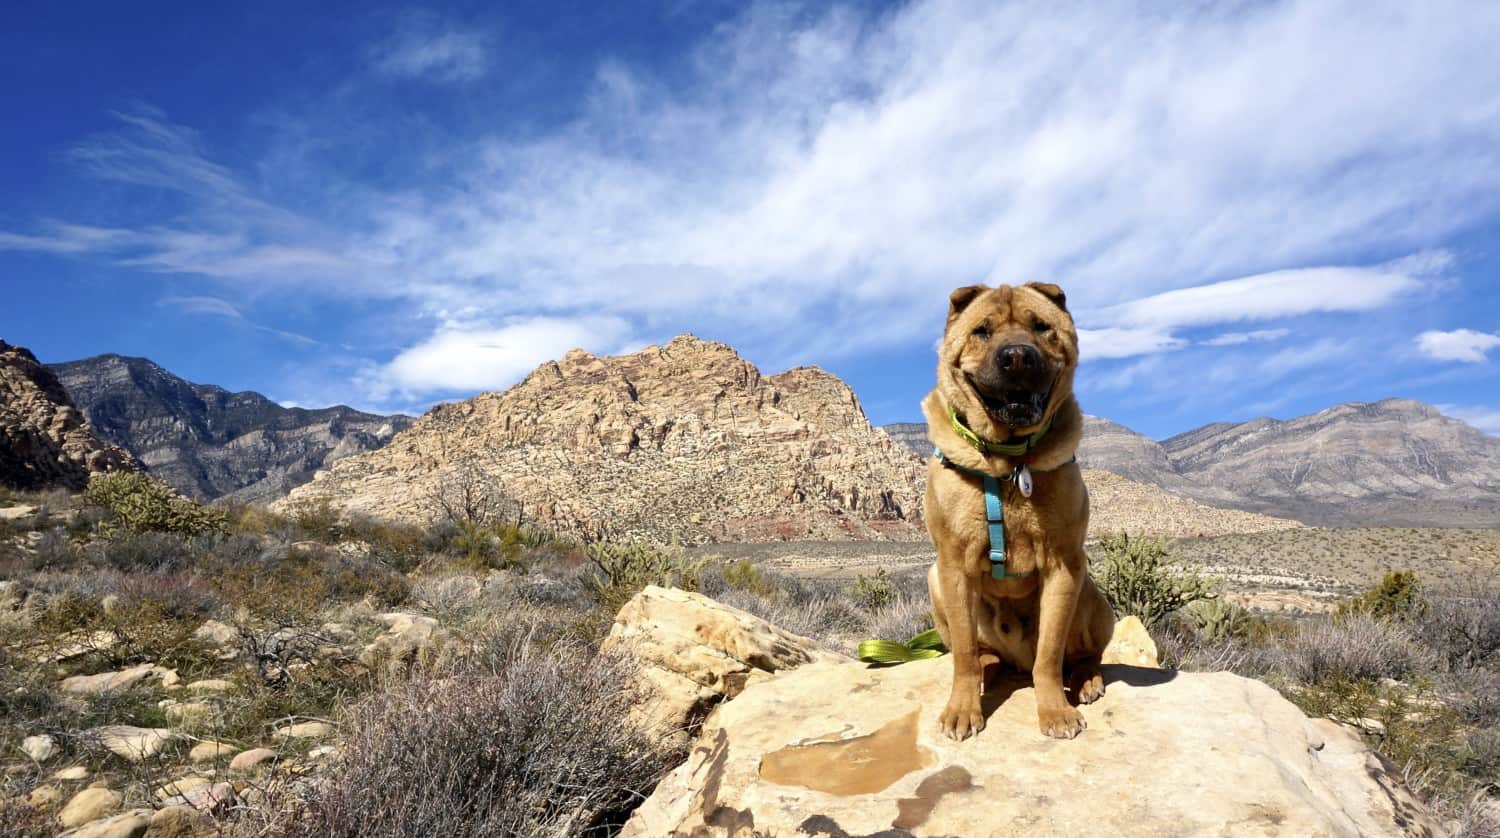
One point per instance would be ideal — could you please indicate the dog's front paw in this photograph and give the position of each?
(1061, 722)
(962, 718)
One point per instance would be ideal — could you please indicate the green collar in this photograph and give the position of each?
(990, 447)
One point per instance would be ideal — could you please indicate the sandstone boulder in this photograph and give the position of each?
(87, 806)
(407, 637)
(836, 749)
(121, 680)
(1131, 644)
(131, 743)
(251, 759)
(695, 652)
(132, 824)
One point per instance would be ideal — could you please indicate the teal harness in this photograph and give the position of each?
(994, 510)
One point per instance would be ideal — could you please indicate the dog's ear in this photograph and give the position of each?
(960, 299)
(1051, 292)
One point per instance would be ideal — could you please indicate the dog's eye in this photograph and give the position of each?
(1041, 327)
(981, 332)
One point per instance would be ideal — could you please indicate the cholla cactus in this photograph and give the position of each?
(1140, 577)
(1220, 619)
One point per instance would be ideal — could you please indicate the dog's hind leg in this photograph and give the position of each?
(1095, 625)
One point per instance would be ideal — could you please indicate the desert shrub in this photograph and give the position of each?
(128, 633)
(396, 545)
(150, 550)
(543, 745)
(318, 521)
(138, 503)
(874, 591)
(1397, 597)
(901, 619)
(1464, 627)
(1357, 648)
(54, 550)
(621, 569)
(1140, 577)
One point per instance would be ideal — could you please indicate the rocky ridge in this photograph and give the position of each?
(209, 443)
(45, 441)
(1396, 462)
(684, 440)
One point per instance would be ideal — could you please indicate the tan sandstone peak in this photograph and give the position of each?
(45, 442)
(686, 440)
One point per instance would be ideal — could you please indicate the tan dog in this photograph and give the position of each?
(1005, 372)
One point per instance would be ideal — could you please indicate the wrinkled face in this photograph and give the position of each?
(1009, 351)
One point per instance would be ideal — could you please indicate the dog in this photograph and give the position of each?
(1004, 406)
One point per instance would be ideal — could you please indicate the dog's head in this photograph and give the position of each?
(1007, 356)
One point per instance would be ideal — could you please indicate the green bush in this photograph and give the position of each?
(873, 592)
(140, 504)
(1140, 577)
(1397, 597)
(743, 575)
(621, 570)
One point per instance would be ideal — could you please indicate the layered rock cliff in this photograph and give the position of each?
(210, 443)
(684, 440)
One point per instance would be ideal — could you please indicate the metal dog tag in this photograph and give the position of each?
(1023, 481)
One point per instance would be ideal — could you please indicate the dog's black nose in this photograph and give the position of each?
(1018, 357)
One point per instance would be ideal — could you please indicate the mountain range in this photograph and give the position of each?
(210, 443)
(1395, 462)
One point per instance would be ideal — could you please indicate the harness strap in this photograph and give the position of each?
(994, 513)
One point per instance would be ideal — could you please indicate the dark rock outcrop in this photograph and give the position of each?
(209, 443)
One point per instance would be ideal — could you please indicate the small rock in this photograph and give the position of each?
(16, 513)
(72, 772)
(87, 806)
(1132, 645)
(180, 822)
(190, 711)
(217, 634)
(207, 751)
(214, 798)
(250, 759)
(180, 787)
(408, 637)
(210, 686)
(112, 681)
(132, 743)
(40, 747)
(132, 824)
(44, 797)
(322, 752)
(305, 730)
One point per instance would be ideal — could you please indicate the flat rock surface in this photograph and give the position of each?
(844, 749)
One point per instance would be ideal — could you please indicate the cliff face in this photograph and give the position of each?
(45, 441)
(210, 443)
(1392, 462)
(683, 440)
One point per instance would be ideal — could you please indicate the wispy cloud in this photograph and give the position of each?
(1464, 345)
(423, 47)
(215, 307)
(1486, 419)
(815, 183)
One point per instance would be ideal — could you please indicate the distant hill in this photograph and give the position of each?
(45, 442)
(685, 439)
(1396, 462)
(210, 443)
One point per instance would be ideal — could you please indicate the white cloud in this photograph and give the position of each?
(422, 47)
(816, 183)
(1486, 419)
(215, 307)
(1238, 338)
(466, 357)
(1102, 344)
(1464, 345)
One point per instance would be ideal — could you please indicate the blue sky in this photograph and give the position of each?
(1255, 208)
